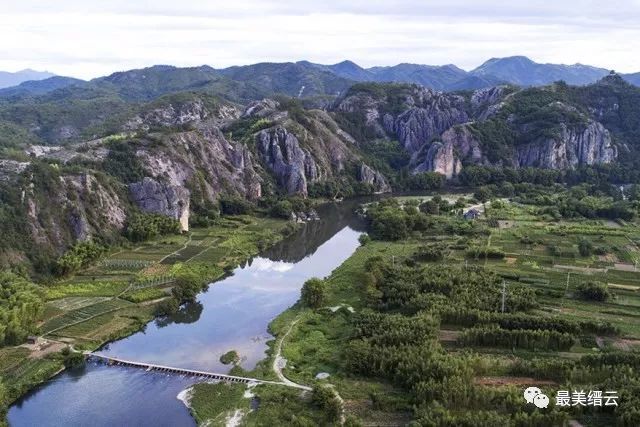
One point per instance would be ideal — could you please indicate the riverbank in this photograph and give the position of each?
(312, 342)
(119, 296)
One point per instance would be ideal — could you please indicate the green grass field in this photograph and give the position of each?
(316, 341)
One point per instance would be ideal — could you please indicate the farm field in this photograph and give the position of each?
(527, 253)
(120, 293)
(79, 306)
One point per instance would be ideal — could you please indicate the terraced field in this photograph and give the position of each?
(96, 302)
(72, 317)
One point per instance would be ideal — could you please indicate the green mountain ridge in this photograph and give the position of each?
(175, 142)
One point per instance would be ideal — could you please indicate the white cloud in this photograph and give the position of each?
(264, 264)
(85, 39)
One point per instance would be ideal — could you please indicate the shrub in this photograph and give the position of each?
(230, 357)
(324, 398)
(595, 291)
(585, 247)
(281, 209)
(313, 293)
(434, 252)
(72, 359)
(364, 239)
(235, 206)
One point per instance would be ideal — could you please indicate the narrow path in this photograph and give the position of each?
(279, 362)
(177, 250)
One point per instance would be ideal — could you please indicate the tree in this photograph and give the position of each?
(431, 207)
(144, 226)
(483, 194)
(595, 291)
(21, 307)
(234, 206)
(187, 285)
(72, 359)
(364, 239)
(230, 357)
(313, 293)
(282, 209)
(585, 247)
(389, 224)
(325, 398)
(78, 256)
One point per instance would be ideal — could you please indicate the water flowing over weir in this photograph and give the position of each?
(188, 372)
(233, 314)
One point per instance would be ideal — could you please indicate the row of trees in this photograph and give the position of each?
(454, 315)
(144, 226)
(79, 255)
(389, 221)
(21, 307)
(398, 341)
(494, 336)
(401, 287)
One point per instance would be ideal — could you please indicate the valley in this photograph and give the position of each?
(411, 316)
(413, 255)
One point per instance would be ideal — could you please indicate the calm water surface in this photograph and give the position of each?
(233, 314)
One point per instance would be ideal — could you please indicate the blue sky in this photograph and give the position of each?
(91, 38)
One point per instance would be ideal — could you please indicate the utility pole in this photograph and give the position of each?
(393, 260)
(504, 292)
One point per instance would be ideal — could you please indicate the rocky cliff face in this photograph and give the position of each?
(292, 166)
(588, 145)
(418, 125)
(162, 198)
(445, 155)
(440, 157)
(203, 157)
(180, 113)
(436, 128)
(76, 207)
(373, 178)
(419, 116)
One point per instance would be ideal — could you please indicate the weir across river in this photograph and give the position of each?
(188, 372)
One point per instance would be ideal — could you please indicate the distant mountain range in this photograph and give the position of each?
(306, 79)
(8, 79)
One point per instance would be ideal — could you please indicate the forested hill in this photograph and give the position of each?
(79, 160)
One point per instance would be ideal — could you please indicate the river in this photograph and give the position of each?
(233, 314)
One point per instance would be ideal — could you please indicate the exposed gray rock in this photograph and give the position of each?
(162, 198)
(417, 126)
(207, 157)
(41, 150)
(440, 157)
(292, 165)
(79, 225)
(374, 178)
(169, 115)
(260, 108)
(486, 102)
(464, 143)
(588, 145)
(444, 156)
(84, 207)
(11, 168)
